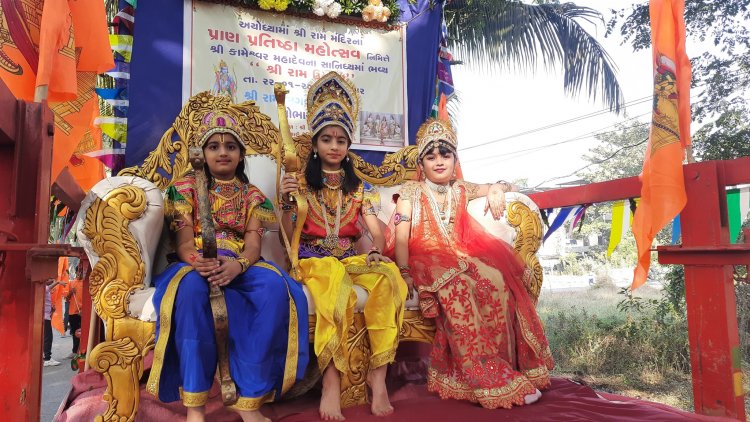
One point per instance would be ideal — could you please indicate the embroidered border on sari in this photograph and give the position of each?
(538, 376)
(446, 277)
(165, 321)
(511, 394)
(543, 352)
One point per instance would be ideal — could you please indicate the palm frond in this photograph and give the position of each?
(492, 35)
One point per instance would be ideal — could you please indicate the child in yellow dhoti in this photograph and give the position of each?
(329, 263)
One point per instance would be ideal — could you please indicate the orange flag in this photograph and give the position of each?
(61, 45)
(663, 187)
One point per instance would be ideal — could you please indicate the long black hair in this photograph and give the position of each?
(239, 172)
(314, 172)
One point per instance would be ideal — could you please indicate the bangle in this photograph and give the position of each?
(244, 263)
(505, 185)
(404, 269)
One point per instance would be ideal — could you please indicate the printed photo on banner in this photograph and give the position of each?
(241, 53)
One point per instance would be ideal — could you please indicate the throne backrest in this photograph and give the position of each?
(262, 139)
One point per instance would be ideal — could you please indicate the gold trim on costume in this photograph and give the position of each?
(538, 376)
(193, 399)
(268, 266)
(447, 276)
(253, 403)
(491, 398)
(165, 321)
(292, 347)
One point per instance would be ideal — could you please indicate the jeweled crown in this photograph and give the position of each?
(432, 132)
(216, 121)
(332, 100)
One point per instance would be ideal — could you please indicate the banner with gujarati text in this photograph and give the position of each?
(241, 53)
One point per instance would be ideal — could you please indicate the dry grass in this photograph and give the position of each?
(595, 343)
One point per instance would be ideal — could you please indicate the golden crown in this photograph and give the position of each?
(332, 100)
(217, 121)
(432, 132)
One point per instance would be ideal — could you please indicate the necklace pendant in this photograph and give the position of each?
(331, 242)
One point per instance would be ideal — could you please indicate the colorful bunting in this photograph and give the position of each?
(738, 205)
(621, 218)
(558, 222)
(676, 229)
(123, 45)
(110, 93)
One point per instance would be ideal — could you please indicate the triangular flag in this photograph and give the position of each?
(620, 224)
(676, 230)
(558, 222)
(122, 44)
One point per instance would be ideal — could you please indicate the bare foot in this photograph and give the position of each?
(381, 406)
(196, 414)
(330, 400)
(252, 416)
(532, 398)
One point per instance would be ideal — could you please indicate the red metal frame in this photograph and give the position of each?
(25, 162)
(708, 257)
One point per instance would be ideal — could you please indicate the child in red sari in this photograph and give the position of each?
(489, 346)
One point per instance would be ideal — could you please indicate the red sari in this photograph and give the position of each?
(489, 346)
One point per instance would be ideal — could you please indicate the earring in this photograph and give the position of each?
(315, 155)
(347, 158)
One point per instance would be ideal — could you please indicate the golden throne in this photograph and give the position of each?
(120, 225)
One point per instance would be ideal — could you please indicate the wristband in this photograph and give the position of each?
(244, 263)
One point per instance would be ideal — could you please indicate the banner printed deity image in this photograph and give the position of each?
(225, 83)
(381, 129)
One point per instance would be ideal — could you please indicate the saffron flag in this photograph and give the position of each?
(663, 187)
(57, 46)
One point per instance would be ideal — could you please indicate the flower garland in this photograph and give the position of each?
(277, 5)
(327, 7)
(374, 11)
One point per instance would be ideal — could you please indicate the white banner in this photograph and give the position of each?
(242, 53)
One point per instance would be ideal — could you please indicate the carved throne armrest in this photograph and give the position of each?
(119, 224)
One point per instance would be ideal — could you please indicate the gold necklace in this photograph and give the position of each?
(333, 179)
(331, 241)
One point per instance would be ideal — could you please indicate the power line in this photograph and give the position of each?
(603, 160)
(577, 138)
(561, 123)
(594, 133)
(637, 101)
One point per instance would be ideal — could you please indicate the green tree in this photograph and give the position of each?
(511, 34)
(721, 74)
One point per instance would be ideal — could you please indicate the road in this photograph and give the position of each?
(56, 379)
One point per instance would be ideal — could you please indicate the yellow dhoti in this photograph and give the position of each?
(330, 282)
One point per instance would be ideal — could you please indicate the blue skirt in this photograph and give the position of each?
(268, 340)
